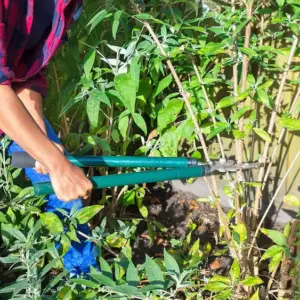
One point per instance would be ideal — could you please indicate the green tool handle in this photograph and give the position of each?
(23, 160)
(100, 182)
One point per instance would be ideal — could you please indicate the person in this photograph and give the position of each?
(30, 33)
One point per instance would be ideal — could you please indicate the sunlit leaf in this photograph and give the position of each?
(276, 236)
(263, 134)
(89, 60)
(163, 84)
(116, 23)
(169, 114)
(272, 251)
(52, 223)
(291, 200)
(126, 87)
(290, 124)
(83, 215)
(132, 277)
(153, 271)
(251, 281)
(171, 264)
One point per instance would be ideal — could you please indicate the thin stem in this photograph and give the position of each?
(245, 65)
(282, 133)
(209, 106)
(197, 129)
(271, 127)
(66, 129)
(94, 241)
(272, 202)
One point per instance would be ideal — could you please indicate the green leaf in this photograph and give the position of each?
(218, 278)
(263, 134)
(15, 189)
(48, 267)
(287, 229)
(85, 214)
(140, 122)
(116, 23)
(195, 28)
(185, 130)
(95, 140)
(215, 286)
(15, 233)
(238, 134)
(224, 295)
(55, 281)
(126, 87)
(264, 97)
(163, 84)
(105, 268)
(153, 272)
(171, 264)
(291, 200)
(218, 127)
(15, 286)
(93, 109)
(132, 277)
(290, 124)
(169, 143)
(115, 241)
(11, 259)
(104, 280)
(65, 293)
(235, 271)
(241, 229)
(85, 282)
(127, 290)
(52, 222)
(88, 62)
(272, 251)
(225, 102)
(276, 236)
(135, 70)
(250, 52)
(238, 114)
(255, 296)
(144, 16)
(169, 114)
(123, 125)
(275, 261)
(16, 173)
(251, 281)
(280, 2)
(97, 19)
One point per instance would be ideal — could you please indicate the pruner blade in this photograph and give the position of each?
(224, 165)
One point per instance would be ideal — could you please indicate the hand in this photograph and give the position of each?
(43, 170)
(69, 182)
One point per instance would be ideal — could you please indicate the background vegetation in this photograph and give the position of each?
(166, 78)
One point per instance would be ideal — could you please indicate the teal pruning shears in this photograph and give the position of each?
(174, 168)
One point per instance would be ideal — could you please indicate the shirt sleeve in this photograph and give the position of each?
(6, 75)
(37, 83)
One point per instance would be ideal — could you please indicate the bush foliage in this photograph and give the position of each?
(164, 78)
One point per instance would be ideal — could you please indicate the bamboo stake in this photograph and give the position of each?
(185, 97)
(272, 202)
(281, 135)
(245, 65)
(271, 128)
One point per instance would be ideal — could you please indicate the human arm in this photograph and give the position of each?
(68, 181)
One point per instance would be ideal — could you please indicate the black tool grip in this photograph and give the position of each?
(22, 160)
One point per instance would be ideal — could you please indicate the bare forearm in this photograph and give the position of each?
(20, 126)
(33, 102)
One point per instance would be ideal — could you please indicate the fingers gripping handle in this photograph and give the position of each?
(22, 160)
